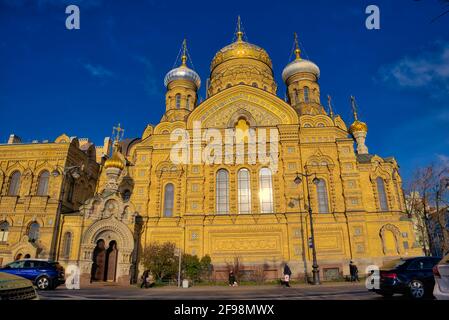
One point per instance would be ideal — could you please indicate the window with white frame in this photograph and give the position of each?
(169, 195)
(222, 192)
(244, 191)
(266, 191)
(323, 201)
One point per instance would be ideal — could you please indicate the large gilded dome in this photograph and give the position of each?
(241, 63)
(241, 50)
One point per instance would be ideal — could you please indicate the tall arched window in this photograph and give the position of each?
(67, 245)
(296, 96)
(4, 231)
(42, 185)
(33, 232)
(178, 101)
(382, 194)
(266, 191)
(244, 191)
(323, 202)
(222, 192)
(188, 101)
(306, 94)
(169, 196)
(14, 184)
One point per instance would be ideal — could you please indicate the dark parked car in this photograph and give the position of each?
(16, 288)
(411, 276)
(43, 273)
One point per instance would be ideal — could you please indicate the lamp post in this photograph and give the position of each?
(75, 173)
(315, 267)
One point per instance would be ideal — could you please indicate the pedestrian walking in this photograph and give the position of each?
(287, 275)
(232, 280)
(147, 279)
(353, 271)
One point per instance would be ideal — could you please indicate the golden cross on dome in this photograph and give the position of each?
(354, 108)
(329, 103)
(117, 133)
(297, 50)
(239, 29)
(184, 52)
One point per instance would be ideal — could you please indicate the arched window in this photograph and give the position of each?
(323, 202)
(33, 232)
(188, 100)
(67, 245)
(14, 184)
(4, 231)
(266, 191)
(178, 101)
(296, 96)
(306, 94)
(42, 185)
(169, 200)
(244, 191)
(222, 192)
(381, 193)
(228, 85)
(255, 85)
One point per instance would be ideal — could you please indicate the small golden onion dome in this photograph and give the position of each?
(241, 50)
(114, 162)
(358, 126)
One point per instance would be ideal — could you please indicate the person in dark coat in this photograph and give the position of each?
(232, 281)
(144, 279)
(147, 279)
(287, 275)
(353, 271)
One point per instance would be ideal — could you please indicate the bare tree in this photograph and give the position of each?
(428, 202)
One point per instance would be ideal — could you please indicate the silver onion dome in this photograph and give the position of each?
(300, 66)
(182, 73)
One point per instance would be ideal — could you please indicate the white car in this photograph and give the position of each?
(441, 273)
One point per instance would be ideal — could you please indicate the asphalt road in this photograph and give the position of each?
(114, 292)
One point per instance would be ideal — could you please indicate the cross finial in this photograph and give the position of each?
(354, 108)
(297, 50)
(329, 103)
(239, 29)
(184, 52)
(117, 133)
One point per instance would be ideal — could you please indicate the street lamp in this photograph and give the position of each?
(315, 267)
(75, 173)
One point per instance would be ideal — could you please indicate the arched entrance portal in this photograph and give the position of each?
(104, 261)
(107, 249)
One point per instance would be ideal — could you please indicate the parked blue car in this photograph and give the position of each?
(43, 273)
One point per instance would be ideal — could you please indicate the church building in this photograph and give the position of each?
(99, 207)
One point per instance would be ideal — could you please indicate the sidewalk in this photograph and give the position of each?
(223, 287)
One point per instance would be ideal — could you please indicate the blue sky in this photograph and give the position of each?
(82, 82)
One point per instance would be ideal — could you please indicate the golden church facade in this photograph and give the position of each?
(226, 208)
